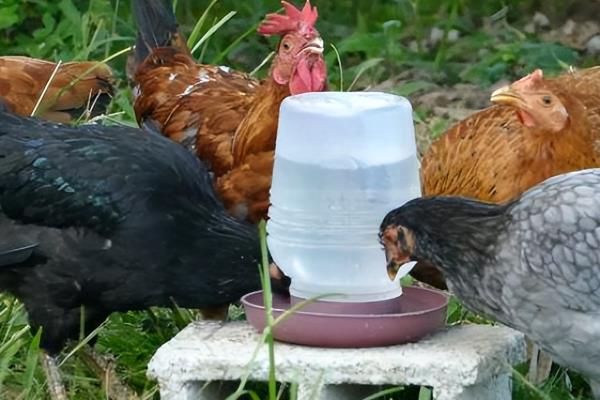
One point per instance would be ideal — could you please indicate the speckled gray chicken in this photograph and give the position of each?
(532, 264)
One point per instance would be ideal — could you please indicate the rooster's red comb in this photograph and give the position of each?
(302, 21)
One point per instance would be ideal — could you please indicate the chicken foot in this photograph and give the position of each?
(215, 313)
(540, 364)
(103, 367)
(56, 388)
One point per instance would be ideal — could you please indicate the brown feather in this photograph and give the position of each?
(74, 86)
(227, 118)
(245, 189)
(257, 131)
(200, 106)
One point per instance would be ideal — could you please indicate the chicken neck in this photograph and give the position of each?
(258, 130)
(456, 231)
(460, 237)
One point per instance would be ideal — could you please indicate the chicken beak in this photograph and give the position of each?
(315, 46)
(506, 95)
(394, 265)
(392, 270)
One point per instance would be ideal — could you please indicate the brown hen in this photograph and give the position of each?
(76, 88)
(539, 128)
(227, 117)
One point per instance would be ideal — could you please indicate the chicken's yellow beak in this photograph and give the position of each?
(506, 95)
(392, 270)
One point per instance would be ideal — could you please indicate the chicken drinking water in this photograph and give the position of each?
(532, 263)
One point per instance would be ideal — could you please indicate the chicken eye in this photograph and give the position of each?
(401, 236)
(286, 45)
(547, 100)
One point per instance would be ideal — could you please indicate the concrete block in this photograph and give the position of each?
(462, 362)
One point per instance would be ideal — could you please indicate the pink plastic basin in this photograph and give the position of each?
(415, 314)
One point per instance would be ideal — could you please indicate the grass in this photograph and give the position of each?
(370, 42)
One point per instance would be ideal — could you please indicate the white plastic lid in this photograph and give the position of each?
(322, 127)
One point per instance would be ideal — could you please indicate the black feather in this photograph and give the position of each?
(450, 228)
(156, 24)
(124, 220)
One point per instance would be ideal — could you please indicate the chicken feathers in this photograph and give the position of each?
(123, 221)
(75, 88)
(532, 264)
(228, 118)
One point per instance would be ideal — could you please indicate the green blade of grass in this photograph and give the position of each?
(85, 53)
(339, 61)
(267, 332)
(13, 339)
(224, 53)
(250, 393)
(205, 45)
(268, 301)
(217, 59)
(82, 343)
(384, 393)
(364, 67)
(525, 382)
(199, 24)
(31, 363)
(281, 391)
(297, 307)
(7, 313)
(262, 63)
(156, 324)
(7, 358)
(181, 316)
(424, 393)
(213, 29)
(294, 391)
(113, 28)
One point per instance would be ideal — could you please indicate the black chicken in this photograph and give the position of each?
(122, 220)
(532, 264)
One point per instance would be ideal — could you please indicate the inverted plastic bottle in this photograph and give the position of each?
(342, 161)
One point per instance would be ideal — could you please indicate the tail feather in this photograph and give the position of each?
(157, 27)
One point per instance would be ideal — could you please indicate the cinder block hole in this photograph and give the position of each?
(222, 389)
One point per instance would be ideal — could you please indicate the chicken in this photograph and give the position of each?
(532, 264)
(76, 88)
(540, 128)
(122, 220)
(228, 118)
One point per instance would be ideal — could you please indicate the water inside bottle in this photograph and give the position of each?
(324, 223)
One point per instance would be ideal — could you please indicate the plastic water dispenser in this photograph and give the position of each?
(342, 161)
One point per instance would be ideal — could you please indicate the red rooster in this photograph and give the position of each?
(227, 118)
